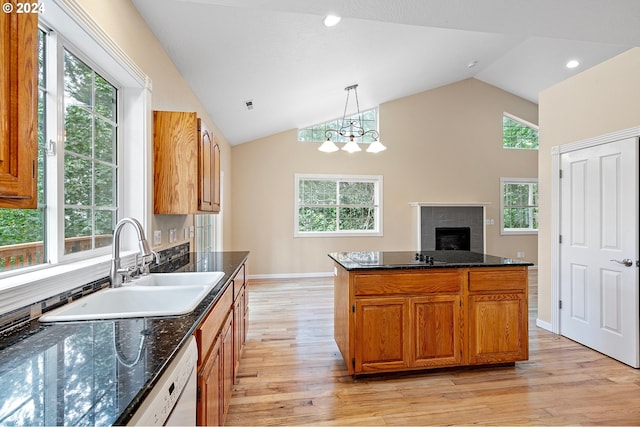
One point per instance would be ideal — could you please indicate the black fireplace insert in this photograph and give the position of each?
(453, 238)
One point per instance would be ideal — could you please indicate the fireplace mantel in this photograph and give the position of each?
(432, 215)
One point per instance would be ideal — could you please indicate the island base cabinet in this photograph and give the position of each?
(432, 318)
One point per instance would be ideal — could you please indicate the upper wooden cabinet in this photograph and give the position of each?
(18, 110)
(187, 165)
(208, 170)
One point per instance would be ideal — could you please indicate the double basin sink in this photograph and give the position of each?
(156, 294)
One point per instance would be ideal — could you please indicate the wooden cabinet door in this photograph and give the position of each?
(175, 140)
(18, 110)
(239, 325)
(498, 328)
(205, 168)
(437, 331)
(228, 366)
(209, 387)
(382, 334)
(216, 174)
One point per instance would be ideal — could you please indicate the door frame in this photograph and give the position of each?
(556, 152)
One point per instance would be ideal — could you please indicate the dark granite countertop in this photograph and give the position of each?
(98, 372)
(375, 260)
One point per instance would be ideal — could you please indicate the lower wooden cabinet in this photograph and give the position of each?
(380, 338)
(221, 337)
(420, 319)
(209, 393)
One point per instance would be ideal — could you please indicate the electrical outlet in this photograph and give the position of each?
(520, 254)
(192, 232)
(172, 235)
(157, 237)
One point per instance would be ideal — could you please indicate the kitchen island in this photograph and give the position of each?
(401, 311)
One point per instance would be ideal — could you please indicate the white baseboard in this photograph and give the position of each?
(290, 275)
(544, 325)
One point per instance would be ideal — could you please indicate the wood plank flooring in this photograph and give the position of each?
(291, 373)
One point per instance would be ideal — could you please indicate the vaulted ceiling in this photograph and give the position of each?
(279, 55)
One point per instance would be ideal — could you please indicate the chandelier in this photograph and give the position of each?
(352, 128)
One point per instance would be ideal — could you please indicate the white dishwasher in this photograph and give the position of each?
(173, 400)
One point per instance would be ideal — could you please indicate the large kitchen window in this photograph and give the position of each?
(87, 150)
(338, 205)
(82, 165)
(519, 206)
(518, 133)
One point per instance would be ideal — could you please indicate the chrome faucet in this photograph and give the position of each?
(119, 274)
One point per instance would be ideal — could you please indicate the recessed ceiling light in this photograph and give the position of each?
(573, 63)
(331, 20)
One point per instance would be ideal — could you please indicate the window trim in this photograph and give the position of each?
(376, 179)
(45, 280)
(514, 231)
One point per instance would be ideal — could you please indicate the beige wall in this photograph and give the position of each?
(444, 145)
(598, 101)
(124, 25)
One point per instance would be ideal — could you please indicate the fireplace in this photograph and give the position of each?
(453, 238)
(463, 226)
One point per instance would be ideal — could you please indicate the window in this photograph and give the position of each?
(90, 161)
(519, 206)
(317, 133)
(88, 171)
(517, 133)
(335, 205)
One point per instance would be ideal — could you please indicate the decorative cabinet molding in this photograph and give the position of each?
(18, 110)
(208, 170)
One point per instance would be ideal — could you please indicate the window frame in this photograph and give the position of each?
(523, 123)
(515, 231)
(135, 145)
(378, 205)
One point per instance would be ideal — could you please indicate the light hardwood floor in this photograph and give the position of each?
(291, 373)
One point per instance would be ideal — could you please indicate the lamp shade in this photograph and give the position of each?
(328, 146)
(376, 147)
(351, 146)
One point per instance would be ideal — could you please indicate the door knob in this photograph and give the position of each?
(626, 262)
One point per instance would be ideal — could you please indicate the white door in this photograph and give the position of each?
(599, 249)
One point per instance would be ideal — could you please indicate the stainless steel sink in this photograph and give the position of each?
(163, 294)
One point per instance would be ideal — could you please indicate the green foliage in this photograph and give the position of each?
(518, 135)
(520, 202)
(320, 211)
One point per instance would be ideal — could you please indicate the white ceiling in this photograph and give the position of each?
(278, 53)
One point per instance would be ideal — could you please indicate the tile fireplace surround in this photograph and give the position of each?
(430, 216)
